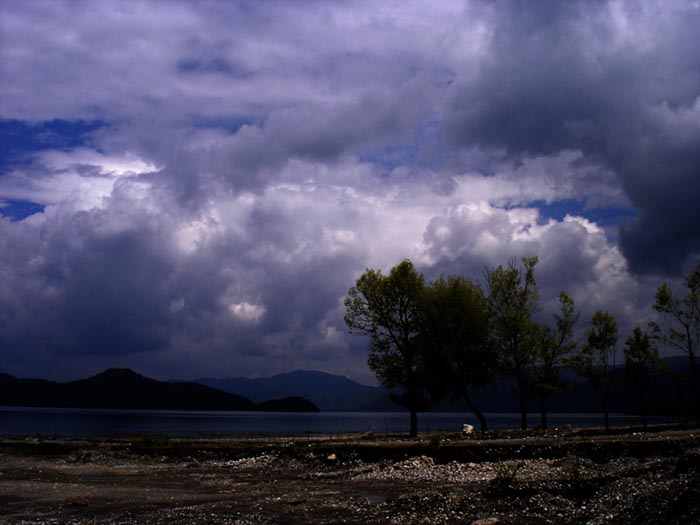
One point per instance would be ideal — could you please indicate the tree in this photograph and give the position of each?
(596, 359)
(555, 345)
(386, 308)
(456, 332)
(641, 362)
(681, 323)
(511, 301)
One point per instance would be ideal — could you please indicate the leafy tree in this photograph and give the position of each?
(555, 345)
(387, 309)
(511, 301)
(596, 359)
(456, 331)
(681, 323)
(641, 362)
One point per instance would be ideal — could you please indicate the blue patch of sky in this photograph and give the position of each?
(16, 210)
(603, 216)
(18, 138)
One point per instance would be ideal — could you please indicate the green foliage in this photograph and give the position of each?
(680, 325)
(455, 333)
(512, 300)
(386, 308)
(555, 346)
(596, 359)
(642, 362)
(681, 314)
(641, 357)
(456, 329)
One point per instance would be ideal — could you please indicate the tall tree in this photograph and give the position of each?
(596, 359)
(511, 301)
(456, 330)
(680, 327)
(552, 351)
(387, 309)
(641, 363)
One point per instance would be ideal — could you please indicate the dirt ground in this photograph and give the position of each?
(583, 476)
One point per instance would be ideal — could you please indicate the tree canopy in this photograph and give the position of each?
(552, 350)
(451, 337)
(680, 325)
(641, 363)
(596, 359)
(512, 300)
(456, 332)
(386, 308)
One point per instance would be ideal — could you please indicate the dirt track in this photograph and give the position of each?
(577, 477)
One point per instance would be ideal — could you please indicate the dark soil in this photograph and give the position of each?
(585, 476)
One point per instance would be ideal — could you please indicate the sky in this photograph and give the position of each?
(189, 189)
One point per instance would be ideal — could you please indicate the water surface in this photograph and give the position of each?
(23, 421)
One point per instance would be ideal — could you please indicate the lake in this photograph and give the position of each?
(22, 421)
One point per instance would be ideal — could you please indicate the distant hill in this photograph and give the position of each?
(327, 391)
(287, 404)
(669, 393)
(125, 389)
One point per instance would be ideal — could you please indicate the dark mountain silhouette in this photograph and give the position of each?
(124, 388)
(309, 390)
(287, 404)
(669, 392)
(327, 391)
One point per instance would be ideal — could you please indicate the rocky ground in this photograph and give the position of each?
(580, 476)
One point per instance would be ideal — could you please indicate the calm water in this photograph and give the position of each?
(20, 421)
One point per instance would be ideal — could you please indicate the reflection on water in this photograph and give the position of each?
(21, 421)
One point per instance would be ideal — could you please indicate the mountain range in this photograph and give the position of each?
(302, 391)
(125, 389)
(327, 391)
(669, 392)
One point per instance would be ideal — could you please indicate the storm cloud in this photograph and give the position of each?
(191, 188)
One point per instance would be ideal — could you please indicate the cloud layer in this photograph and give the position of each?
(217, 174)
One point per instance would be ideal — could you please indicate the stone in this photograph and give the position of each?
(467, 429)
(487, 521)
(332, 457)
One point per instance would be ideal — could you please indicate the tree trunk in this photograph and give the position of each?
(605, 412)
(543, 411)
(414, 423)
(694, 382)
(643, 406)
(478, 413)
(523, 412)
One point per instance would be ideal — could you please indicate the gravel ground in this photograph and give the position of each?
(533, 478)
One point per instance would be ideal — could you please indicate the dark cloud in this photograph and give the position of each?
(620, 86)
(222, 172)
